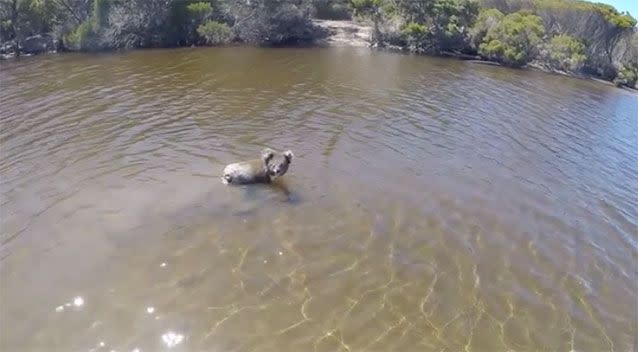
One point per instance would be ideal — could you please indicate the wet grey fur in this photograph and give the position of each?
(271, 165)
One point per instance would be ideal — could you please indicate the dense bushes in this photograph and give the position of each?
(416, 36)
(215, 33)
(627, 76)
(566, 53)
(86, 36)
(603, 30)
(486, 21)
(435, 26)
(83, 37)
(515, 40)
(274, 22)
(111, 24)
(568, 35)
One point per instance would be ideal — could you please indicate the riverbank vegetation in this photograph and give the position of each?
(571, 36)
(95, 25)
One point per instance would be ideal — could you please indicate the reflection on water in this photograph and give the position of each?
(432, 205)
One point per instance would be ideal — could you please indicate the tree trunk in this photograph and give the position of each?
(14, 23)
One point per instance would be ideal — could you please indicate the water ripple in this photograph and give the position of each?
(431, 204)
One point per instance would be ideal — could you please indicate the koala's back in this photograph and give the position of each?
(245, 172)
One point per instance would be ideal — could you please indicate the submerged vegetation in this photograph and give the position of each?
(564, 35)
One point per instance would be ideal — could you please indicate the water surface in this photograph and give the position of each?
(432, 205)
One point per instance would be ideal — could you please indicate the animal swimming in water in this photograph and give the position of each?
(271, 165)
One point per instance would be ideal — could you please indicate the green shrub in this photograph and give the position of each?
(82, 38)
(414, 29)
(487, 19)
(86, 36)
(566, 53)
(515, 40)
(627, 76)
(622, 20)
(445, 24)
(199, 10)
(452, 19)
(416, 36)
(215, 33)
(611, 15)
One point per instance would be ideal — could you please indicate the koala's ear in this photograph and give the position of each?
(267, 154)
(288, 155)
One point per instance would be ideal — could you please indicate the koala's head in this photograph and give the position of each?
(276, 163)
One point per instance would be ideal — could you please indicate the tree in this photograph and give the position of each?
(437, 25)
(487, 20)
(23, 18)
(452, 20)
(627, 76)
(88, 34)
(185, 16)
(417, 37)
(273, 22)
(215, 33)
(8, 19)
(515, 40)
(137, 23)
(566, 53)
(197, 13)
(602, 28)
(77, 11)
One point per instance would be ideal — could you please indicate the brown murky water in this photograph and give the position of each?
(432, 205)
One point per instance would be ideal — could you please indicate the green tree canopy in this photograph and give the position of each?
(515, 40)
(566, 53)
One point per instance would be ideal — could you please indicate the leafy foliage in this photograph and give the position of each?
(416, 36)
(572, 35)
(515, 40)
(627, 76)
(107, 24)
(215, 33)
(199, 11)
(453, 19)
(606, 31)
(442, 24)
(82, 38)
(566, 53)
(487, 20)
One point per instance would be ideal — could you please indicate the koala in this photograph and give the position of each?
(264, 170)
